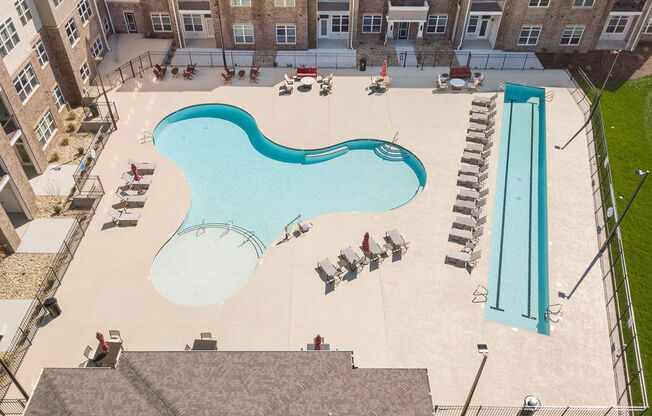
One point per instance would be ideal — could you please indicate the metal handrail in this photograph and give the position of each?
(250, 236)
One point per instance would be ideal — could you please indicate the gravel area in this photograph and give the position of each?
(68, 152)
(436, 53)
(376, 54)
(21, 274)
(46, 204)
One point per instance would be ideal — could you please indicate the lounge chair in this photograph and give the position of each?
(483, 109)
(120, 217)
(143, 167)
(304, 227)
(288, 87)
(396, 240)
(332, 273)
(477, 147)
(476, 136)
(288, 80)
(486, 101)
(351, 258)
(459, 234)
(477, 158)
(469, 222)
(481, 127)
(131, 181)
(467, 206)
(465, 180)
(441, 85)
(131, 199)
(473, 169)
(472, 194)
(482, 118)
(375, 251)
(463, 258)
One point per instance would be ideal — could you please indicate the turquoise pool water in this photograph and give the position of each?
(238, 175)
(518, 266)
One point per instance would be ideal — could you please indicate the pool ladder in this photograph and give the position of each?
(388, 151)
(553, 313)
(480, 294)
(550, 95)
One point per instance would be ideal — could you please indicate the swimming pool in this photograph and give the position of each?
(253, 186)
(518, 265)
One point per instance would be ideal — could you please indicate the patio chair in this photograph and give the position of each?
(253, 77)
(486, 101)
(458, 234)
(441, 85)
(288, 80)
(288, 87)
(131, 199)
(229, 71)
(191, 68)
(463, 258)
(375, 251)
(396, 240)
(121, 217)
(187, 75)
(161, 69)
(478, 147)
(304, 227)
(114, 334)
(483, 109)
(326, 87)
(384, 84)
(465, 206)
(131, 181)
(375, 80)
(473, 169)
(205, 335)
(89, 352)
(351, 259)
(472, 86)
(159, 76)
(477, 158)
(227, 78)
(143, 167)
(332, 273)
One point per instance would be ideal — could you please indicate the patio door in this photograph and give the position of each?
(323, 26)
(478, 27)
(130, 20)
(616, 28)
(483, 28)
(403, 30)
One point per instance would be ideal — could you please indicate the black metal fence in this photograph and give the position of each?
(90, 158)
(441, 410)
(36, 314)
(12, 406)
(628, 369)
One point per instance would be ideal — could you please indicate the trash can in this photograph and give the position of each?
(52, 307)
(363, 64)
(530, 405)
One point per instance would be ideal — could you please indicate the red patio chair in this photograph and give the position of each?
(229, 71)
(161, 69)
(191, 68)
(227, 78)
(187, 75)
(158, 74)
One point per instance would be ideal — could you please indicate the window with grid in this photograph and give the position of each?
(539, 3)
(243, 33)
(8, 37)
(340, 24)
(192, 23)
(85, 11)
(617, 24)
(45, 129)
(71, 31)
(529, 35)
(371, 23)
(105, 25)
(284, 3)
(41, 54)
(648, 28)
(437, 24)
(161, 22)
(572, 35)
(26, 82)
(97, 47)
(473, 24)
(582, 3)
(240, 2)
(85, 72)
(58, 97)
(286, 34)
(23, 11)
(57, 2)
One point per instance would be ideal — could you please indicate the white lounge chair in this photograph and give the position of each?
(463, 258)
(458, 234)
(131, 181)
(483, 110)
(468, 222)
(143, 167)
(476, 136)
(472, 194)
(477, 158)
(396, 240)
(473, 169)
(486, 101)
(288, 80)
(120, 217)
(468, 206)
(479, 117)
(131, 199)
(481, 127)
(351, 258)
(375, 251)
(477, 147)
(467, 180)
(332, 273)
(287, 86)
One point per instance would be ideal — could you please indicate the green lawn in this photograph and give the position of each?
(627, 115)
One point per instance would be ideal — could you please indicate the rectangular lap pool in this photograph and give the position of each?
(518, 265)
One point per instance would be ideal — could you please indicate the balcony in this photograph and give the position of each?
(408, 11)
(487, 6)
(10, 126)
(628, 6)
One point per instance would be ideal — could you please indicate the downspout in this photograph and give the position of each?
(457, 15)
(351, 20)
(643, 24)
(106, 42)
(108, 14)
(176, 20)
(468, 10)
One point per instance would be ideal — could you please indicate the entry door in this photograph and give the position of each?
(616, 28)
(323, 26)
(130, 19)
(483, 28)
(208, 23)
(403, 30)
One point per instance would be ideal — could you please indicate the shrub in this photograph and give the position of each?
(80, 151)
(54, 157)
(71, 116)
(57, 209)
(70, 127)
(65, 141)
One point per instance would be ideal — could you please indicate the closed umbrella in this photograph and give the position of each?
(365, 243)
(134, 170)
(317, 343)
(383, 71)
(100, 337)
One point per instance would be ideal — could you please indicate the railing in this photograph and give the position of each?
(26, 331)
(88, 161)
(441, 410)
(627, 366)
(96, 112)
(249, 236)
(12, 406)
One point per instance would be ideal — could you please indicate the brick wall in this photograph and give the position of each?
(142, 12)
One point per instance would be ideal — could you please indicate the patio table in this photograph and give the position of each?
(457, 83)
(242, 73)
(307, 82)
(204, 345)
(175, 72)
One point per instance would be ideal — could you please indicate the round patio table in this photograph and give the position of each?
(457, 83)
(175, 72)
(307, 82)
(241, 73)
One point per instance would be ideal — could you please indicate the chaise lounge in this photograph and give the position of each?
(463, 258)
(332, 273)
(120, 217)
(351, 259)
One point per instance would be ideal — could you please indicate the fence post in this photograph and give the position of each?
(468, 59)
(524, 62)
(150, 59)
(190, 57)
(486, 63)
(404, 58)
(121, 76)
(504, 60)
(140, 60)
(133, 73)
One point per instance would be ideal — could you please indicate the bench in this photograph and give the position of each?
(306, 71)
(460, 72)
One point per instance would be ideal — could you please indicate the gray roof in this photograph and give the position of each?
(485, 6)
(232, 383)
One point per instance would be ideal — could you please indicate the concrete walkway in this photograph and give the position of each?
(45, 235)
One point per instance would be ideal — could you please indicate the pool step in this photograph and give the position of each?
(249, 236)
(388, 151)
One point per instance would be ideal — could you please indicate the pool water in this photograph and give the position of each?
(518, 265)
(238, 176)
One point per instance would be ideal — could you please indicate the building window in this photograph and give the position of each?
(582, 3)
(23, 11)
(648, 28)
(71, 31)
(192, 23)
(8, 37)
(284, 3)
(105, 25)
(85, 72)
(437, 24)
(371, 24)
(473, 24)
(617, 24)
(41, 53)
(97, 47)
(286, 34)
(57, 2)
(85, 11)
(572, 35)
(539, 3)
(26, 82)
(240, 2)
(243, 33)
(529, 35)
(45, 129)
(340, 24)
(161, 22)
(58, 98)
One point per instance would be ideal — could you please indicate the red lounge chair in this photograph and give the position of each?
(158, 75)
(227, 78)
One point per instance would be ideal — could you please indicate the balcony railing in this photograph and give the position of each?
(10, 125)
(627, 6)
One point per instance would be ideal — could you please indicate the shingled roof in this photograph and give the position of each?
(232, 383)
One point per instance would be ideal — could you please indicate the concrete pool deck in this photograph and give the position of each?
(414, 312)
